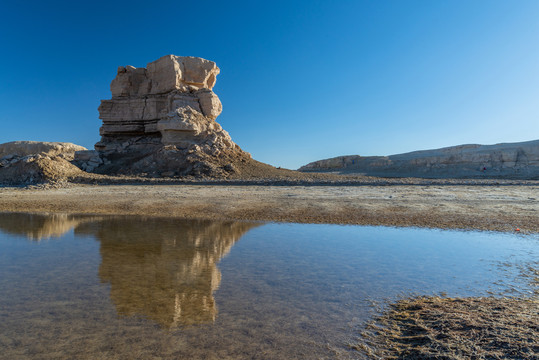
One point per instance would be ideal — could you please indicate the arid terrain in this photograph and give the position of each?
(415, 328)
(163, 154)
(474, 206)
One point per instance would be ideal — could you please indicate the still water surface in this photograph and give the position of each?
(143, 288)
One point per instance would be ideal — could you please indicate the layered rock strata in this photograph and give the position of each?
(161, 121)
(508, 160)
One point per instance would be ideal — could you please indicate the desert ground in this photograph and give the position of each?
(504, 207)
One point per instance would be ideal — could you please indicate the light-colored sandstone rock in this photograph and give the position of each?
(165, 74)
(180, 100)
(25, 148)
(162, 119)
(209, 103)
(181, 126)
(198, 72)
(141, 97)
(130, 81)
(30, 162)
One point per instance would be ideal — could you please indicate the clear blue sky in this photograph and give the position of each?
(300, 80)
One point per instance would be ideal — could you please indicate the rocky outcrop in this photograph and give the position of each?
(161, 121)
(510, 160)
(25, 148)
(29, 162)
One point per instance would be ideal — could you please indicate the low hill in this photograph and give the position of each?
(506, 160)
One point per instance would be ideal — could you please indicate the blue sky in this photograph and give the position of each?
(300, 80)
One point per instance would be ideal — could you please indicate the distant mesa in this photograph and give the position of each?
(161, 121)
(508, 160)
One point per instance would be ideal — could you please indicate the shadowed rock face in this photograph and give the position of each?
(511, 160)
(161, 120)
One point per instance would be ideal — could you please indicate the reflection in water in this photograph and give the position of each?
(163, 269)
(289, 291)
(37, 226)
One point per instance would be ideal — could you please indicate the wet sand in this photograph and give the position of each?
(486, 207)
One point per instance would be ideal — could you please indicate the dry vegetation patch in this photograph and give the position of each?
(456, 328)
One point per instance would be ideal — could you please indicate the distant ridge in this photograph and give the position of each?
(506, 160)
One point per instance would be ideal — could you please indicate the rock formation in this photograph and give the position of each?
(161, 121)
(29, 162)
(25, 148)
(510, 160)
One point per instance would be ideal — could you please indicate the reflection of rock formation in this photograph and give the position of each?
(165, 270)
(37, 227)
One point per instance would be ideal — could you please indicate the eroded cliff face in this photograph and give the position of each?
(161, 121)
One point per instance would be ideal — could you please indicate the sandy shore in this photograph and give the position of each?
(489, 207)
